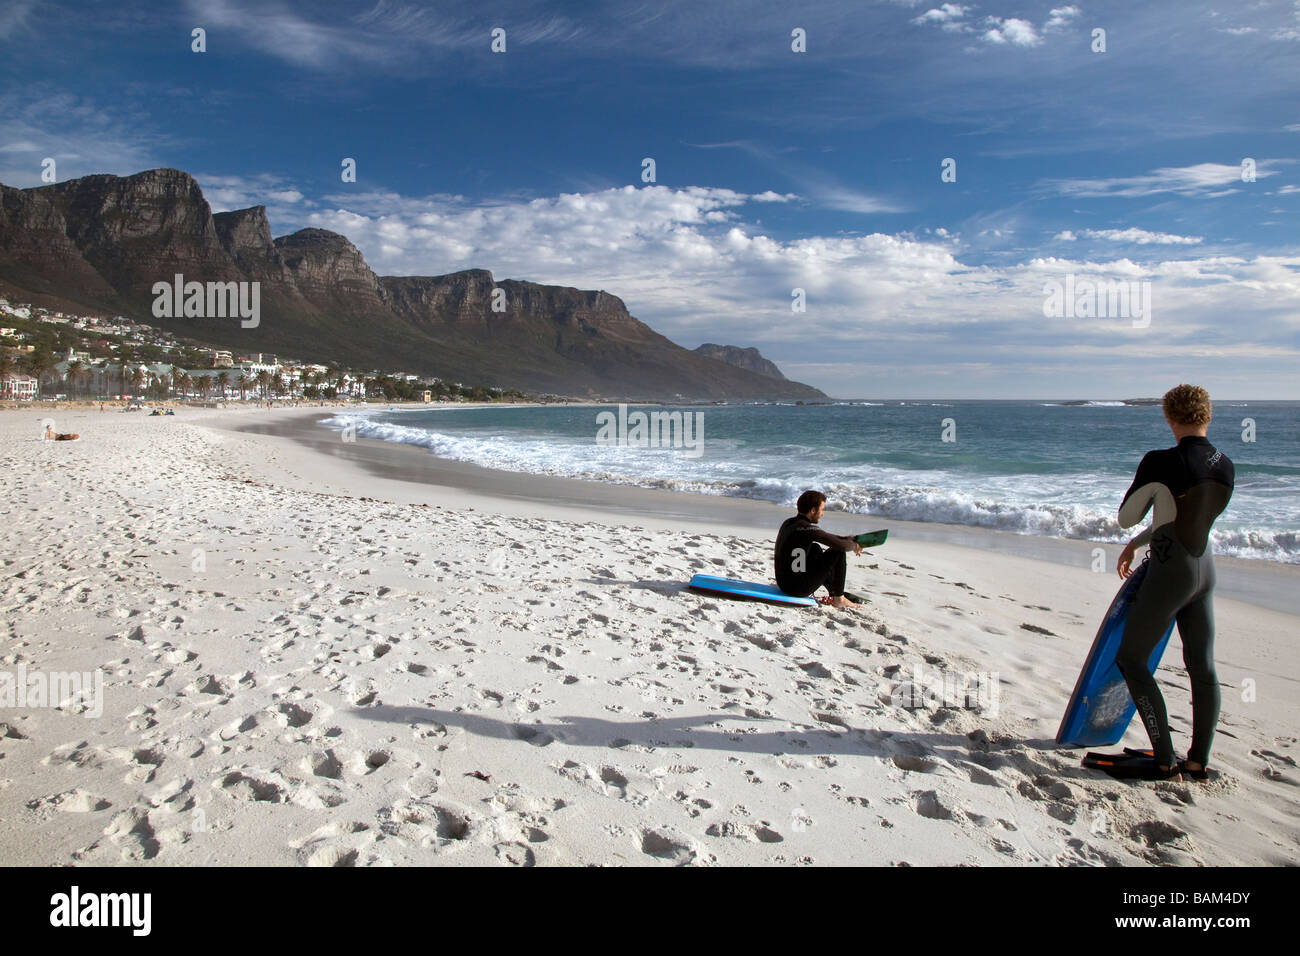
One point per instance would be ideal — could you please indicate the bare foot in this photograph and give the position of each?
(840, 601)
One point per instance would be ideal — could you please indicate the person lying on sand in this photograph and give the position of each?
(802, 565)
(51, 435)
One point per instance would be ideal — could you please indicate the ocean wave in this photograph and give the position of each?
(903, 501)
(1082, 405)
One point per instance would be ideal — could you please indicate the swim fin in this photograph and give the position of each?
(1140, 768)
(857, 598)
(1094, 758)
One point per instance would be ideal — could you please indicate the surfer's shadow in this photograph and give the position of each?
(908, 750)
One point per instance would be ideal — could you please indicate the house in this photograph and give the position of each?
(20, 388)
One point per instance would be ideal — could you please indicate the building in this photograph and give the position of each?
(221, 358)
(22, 388)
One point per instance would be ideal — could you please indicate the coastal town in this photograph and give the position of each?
(59, 356)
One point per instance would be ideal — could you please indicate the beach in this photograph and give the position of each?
(318, 652)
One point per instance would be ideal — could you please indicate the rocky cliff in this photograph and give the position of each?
(101, 242)
(749, 359)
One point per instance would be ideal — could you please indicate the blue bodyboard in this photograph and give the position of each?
(728, 587)
(1100, 708)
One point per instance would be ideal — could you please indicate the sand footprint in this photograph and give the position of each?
(132, 833)
(759, 832)
(77, 800)
(664, 843)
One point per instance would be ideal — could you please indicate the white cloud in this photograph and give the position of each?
(1201, 180)
(947, 16)
(691, 263)
(69, 129)
(1142, 237)
(994, 30)
(1065, 236)
(1060, 17)
(1014, 31)
(225, 193)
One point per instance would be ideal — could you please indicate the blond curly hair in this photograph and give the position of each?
(1188, 405)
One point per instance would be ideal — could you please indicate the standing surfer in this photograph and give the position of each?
(1189, 486)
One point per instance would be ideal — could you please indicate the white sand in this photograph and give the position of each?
(305, 664)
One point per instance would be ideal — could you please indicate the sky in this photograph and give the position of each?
(926, 174)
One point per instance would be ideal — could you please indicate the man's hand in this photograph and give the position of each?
(1123, 566)
(857, 548)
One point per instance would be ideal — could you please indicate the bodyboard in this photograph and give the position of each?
(1101, 708)
(731, 588)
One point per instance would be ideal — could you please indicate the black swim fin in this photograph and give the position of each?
(1140, 768)
(1094, 758)
(857, 598)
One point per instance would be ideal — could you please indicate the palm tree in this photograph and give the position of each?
(39, 363)
(223, 380)
(123, 363)
(7, 365)
(243, 384)
(72, 374)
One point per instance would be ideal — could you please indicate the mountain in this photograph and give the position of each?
(99, 243)
(741, 358)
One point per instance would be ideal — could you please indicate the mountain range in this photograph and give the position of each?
(100, 243)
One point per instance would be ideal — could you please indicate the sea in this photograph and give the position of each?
(1031, 467)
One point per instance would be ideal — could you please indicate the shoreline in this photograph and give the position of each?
(1267, 584)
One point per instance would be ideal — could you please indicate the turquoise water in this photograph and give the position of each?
(1027, 467)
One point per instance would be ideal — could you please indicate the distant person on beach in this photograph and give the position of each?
(802, 566)
(51, 435)
(1189, 486)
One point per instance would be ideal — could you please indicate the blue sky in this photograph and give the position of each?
(775, 170)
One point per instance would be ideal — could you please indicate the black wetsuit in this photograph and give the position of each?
(802, 566)
(1189, 486)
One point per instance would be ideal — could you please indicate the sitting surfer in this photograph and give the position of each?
(802, 565)
(1189, 486)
